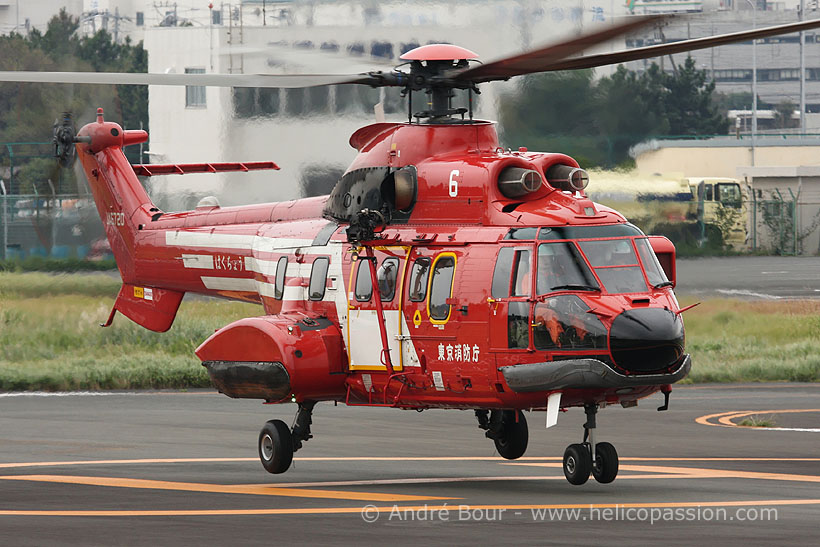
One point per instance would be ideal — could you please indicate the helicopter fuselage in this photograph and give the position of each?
(480, 300)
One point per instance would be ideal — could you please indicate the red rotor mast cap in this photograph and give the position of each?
(438, 52)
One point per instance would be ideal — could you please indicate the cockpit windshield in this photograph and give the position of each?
(561, 267)
(616, 264)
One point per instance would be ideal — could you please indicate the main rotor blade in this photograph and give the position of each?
(647, 52)
(216, 80)
(535, 60)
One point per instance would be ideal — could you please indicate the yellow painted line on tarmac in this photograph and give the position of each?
(699, 473)
(402, 509)
(258, 490)
(145, 461)
(12, 465)
(725, 419)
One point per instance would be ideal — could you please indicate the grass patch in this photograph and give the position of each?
(50, 338)
(41, 286)
(758, 421)
(47, 264)
(742, 341)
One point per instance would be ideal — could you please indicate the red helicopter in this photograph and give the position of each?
(443, 271)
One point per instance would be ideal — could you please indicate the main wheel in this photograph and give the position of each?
(275, 447)
(512, 443)
(605, 466)
(577, 464)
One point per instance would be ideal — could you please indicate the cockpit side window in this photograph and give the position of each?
(654, 272)
(501, 275)
(522, 278)
(513, 273)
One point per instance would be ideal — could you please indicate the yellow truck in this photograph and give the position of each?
(658, 201)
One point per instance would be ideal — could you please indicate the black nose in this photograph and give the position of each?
(646, 340)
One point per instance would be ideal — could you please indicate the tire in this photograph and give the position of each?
(512, 443)
(275, 447)
(605, 467)
(577, 464)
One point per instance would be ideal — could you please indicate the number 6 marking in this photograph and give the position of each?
(454, 183)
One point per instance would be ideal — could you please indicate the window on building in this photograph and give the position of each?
(441, 287)
(140, 19)
(279, 286)
(318, 278)
(194, 94)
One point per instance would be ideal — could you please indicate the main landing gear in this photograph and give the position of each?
(600, 459)
(508, 429)
(278, 442)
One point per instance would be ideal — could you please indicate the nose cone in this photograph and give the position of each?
(646, 340)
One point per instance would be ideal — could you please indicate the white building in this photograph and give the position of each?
(20, 16)
(306, 131)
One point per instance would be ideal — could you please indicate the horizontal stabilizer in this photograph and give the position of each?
(149, 170)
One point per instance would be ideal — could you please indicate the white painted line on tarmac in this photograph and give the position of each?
(739, 292)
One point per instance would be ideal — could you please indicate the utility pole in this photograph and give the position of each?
(754, 82)
(116, 24)
(802, 15)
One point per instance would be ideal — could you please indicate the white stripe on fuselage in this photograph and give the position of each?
(360, 339)
(229, 284)
(207, 239)
(205, 262)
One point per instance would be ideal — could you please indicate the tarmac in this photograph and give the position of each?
(158, 468)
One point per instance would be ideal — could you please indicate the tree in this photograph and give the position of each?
(28, 110)
(783, 115)
(689, 107)
(598, 122)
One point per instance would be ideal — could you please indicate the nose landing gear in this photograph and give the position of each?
(278, 442)
(587, 457)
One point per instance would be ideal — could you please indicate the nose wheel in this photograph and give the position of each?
(581, 459)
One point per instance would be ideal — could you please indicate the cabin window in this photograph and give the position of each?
(387, 274)
(441, 287)
(279, 287)
(418, 279)
(364, 284)
(318, 278)
(561, 267)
